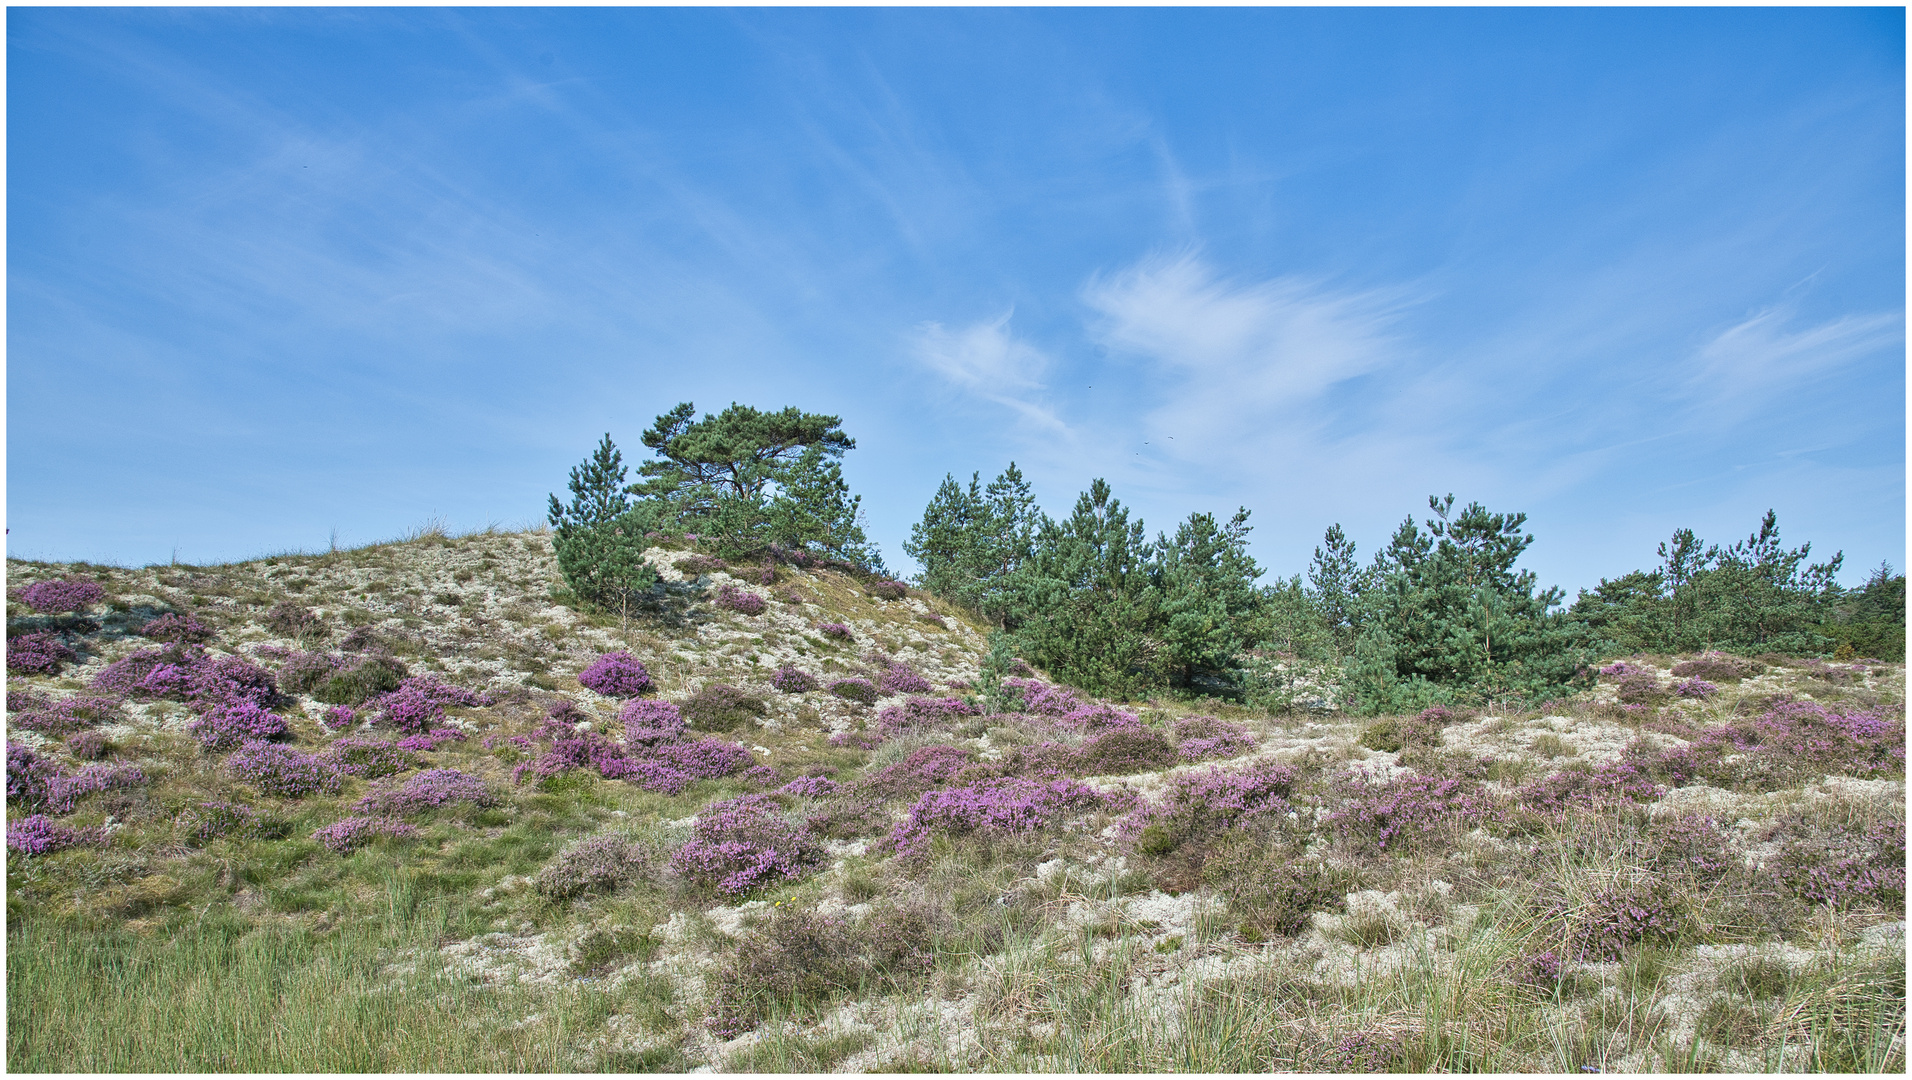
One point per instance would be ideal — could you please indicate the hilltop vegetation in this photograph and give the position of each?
(688, 780)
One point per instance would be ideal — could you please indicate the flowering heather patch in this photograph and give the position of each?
(617, 674)
(122, 675)
(650, 720)
(294, 620)
(1124, 750)
(38, 653)
(61, 595)
(215, 820)
(933, 619)
(741, 601)
(857, 740)
(348, 833)
(356, 755)
(427, 790)
(1695, 688)
(223, 727)
(901, 679)
(340, 717)
(1366, 1052)
(1693, 843)
(720, 707)
(889, 590)
(1620, 669)
(596, 864)
(698, 565)
(66, 715)
(283, 771)
(1200, 738)
(37, 834)
(1641, 688)
(1101, 716)
(1848, 867)
(1572, 789)
(571, 750)
(304, 672)
(180, 629)
(921, 714)
(791, 680)
(762, 776)
(166, 681)
(1617, 918)
(420, 701)
(1409, 808)
(29, 775)
(853, 689)
(1716, 666)
(1544, 969)
(1218, 798)
(739, 844)
(431, 740)
(1005, 806)
(709, 759)
(835, 630)
(39, 783)
(1790, 741)
(1042, 698)
(809, 787)
(87, 745)
(926, 768)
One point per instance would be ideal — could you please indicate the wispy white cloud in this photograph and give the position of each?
(1752, 362)
(986, 360)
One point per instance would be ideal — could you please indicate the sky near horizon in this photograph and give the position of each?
(278, 276)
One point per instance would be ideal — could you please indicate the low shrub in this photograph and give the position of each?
(1125, 750)
(431, 740)
(283, 771)
(1214, 799)
(809, 787)
(651, 720)
(934, 619)
(1717, 667)
(1200, 738)
(52, 597)
(37, 834)
(360, 679)
(1003, 806)
(219, 820)
(369, 758)
(598, 864)
(339, 717)
(922, 714)
(427, 790)
(720, 707)
(1619, 917)
(1641, 688)
(790, 680)
(836, 630)
(1695, 688)
(294, 620)
(223, 727)
(742, 601)
(739, 844)
(1272, 889)
(617, 674)
(889, 590)
(698, 565)
(175, 627)
(420, 701)
(346, 834)
(65, 715)
(87, 745)
(1409, 808)
(855, 689)
(804, 959)
(38, 653)
(901, 679)
(923, 769)
(708, 759)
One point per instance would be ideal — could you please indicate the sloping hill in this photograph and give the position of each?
(400, 808)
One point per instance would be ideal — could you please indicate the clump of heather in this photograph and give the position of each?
(889, 590)
(933, 619)
(29, 775)
(1693, 844)
(648, 721)
(739, 844)
(1789, 742)
(1717, 667)
(1366, 1052)
(340, 717)
(1003, 806)
(283, 771)
(65, 715)
(61, 595)
(427, 790)
(122, 676)
(901, 679)
(39, 783)
(1623, 915)
(1695, 688)
(305, 672)
(1409, 808)
(39, 653)
(570, 750)
(37, 834)
(368, 758)
(1844, 866)
(217, 820)
(763, 776)
(1587, 789)
(346, 834)
(1200, 738)
(357, 679)
(1216, 799)
(791, 680)
(1041, 698)
(87, 745)
(599, 864)
(420, 701)
(921, 714)
(923, 769)
(1641, 688)
(431, 740)
(1121, 751)
(857, 740)
(228, 679)
(618, 675)
(835, 630)
(1620, 669)
(223, 727)
(698, 565)
(720, 707)
(854, 689)
(294, 620)
(742, 601)
(177, 628)
(809, 787)
(709, 759)
(796, 958)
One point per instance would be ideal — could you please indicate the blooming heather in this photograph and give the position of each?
(283, 771)
(37, 834)
(651, 720)
(1200, 738)
(427, 790)
(925, 768)
(1008, 805)
(900, 679)
(1695, 688)
(790, 680)
(62, 595)
(176, 628)
(809, 787)
(223, 727)
(39, 653)
(348, 833)
(420, 701)
(431, 740)
(742, 601)
(617, 674)
(835, 630)
(921, 714)
(739, 844)
(356, 755)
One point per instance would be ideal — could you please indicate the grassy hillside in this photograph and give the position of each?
(489, 865)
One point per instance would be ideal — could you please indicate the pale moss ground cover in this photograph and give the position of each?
(1657, 884)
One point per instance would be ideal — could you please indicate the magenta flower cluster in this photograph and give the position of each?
(38, 653)
(427, 790)
(1003, 806)
(1695, 688)
(225, 726)
(65, 715)
(1200, 738)
(617, 674)
(1217, 798)
(900, 678)
(61, 595)
(1409, 808)
(921, 714)
(420, 701)
(37, 834)
(283, 771)
(180, 629)
(742, 601)
(809, 787)
(925, 768)
(346, 834)
(40, 783)
(739, 844)
(791, 680)
(835, 630)
(651, 720)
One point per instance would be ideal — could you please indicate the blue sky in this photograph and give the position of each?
(274, 273)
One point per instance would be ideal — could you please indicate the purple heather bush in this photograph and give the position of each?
(889, 590)
(62, 595)
(29, 775)
(37, 834)
(853, 689)
(790, 680)
(340, 717)
(742, 601)
(175, 627)
(1620, 669)
(926, 768)
(305, 672)
(1641, 688)
(217, 820)
(427, 790)
(1217, 798)
(1619, 917)
(1003, 807)
(1694, 844)
(1409, 808)
(1790, 741)
(223, 727)
(283, 771)
(346, 834)
(39, 783)
(420, 701)
(65, 715)
(1849, 868)
(617, 675)
(368, 758)
(739, 844)
(697, 565)
(709, 759)
(596, 864)
(1717, 667)
(835, 630)
(1695, 688)
(649, 721)
(1200, 738)
(431, 740)
(1577, 789)
(921, 714)
(809, 787)
(87, 745)
(122, 675)
(1042, 698)
(857, 740)
(900, 679)
(38, 653)
(762, 776)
